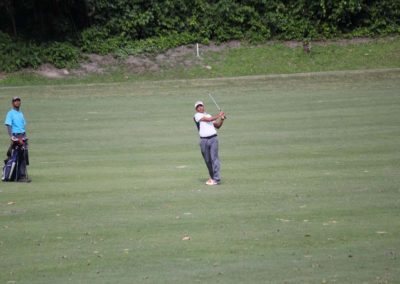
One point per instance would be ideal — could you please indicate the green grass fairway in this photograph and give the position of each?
(310, 192)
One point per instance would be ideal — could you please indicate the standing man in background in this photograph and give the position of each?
(206, 125)
(15, 123)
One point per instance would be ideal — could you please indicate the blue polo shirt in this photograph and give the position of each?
(16, 120)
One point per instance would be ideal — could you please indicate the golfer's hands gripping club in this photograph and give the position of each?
(222, 115)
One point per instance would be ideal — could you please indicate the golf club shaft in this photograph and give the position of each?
(212, 98)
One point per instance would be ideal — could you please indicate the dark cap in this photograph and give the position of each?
(16, 99)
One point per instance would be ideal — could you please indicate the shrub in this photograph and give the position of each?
(157, 44)
(98, 40)
(61, 54)
(15, 55)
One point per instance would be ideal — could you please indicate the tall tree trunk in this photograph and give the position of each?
(10, 11)
(86, 21)
(40, 17)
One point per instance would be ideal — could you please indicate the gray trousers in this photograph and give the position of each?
(209, 150)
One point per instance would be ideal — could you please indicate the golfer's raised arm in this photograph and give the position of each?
(218, 123)
(213, 118)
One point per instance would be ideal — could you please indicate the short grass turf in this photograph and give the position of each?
(310, 191)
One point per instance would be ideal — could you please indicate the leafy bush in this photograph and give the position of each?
(61, 55)
(124, 20)
(5, 39)
(99, 40)
(157, 44)
(15, 55)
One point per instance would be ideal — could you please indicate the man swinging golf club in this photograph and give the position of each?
(206, 125)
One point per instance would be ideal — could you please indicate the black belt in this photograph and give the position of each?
(209, 137)
(16, 134)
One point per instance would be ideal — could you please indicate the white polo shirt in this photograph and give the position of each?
(206, 129)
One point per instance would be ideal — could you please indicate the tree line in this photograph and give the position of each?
(129, 26)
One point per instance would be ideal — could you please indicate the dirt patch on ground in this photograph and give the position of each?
(183, 56)
(95, 64)
(49, 71)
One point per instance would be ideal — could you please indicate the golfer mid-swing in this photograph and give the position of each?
(206, 125)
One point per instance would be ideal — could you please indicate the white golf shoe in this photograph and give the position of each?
(211, 182)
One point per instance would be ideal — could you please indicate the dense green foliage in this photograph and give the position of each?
(61, 54)
(15, 55)
(126, 26)
(92, 42)
(217, 20)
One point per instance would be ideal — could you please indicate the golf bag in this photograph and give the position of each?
(15, 165)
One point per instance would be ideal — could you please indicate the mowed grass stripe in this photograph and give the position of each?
(309, 193)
